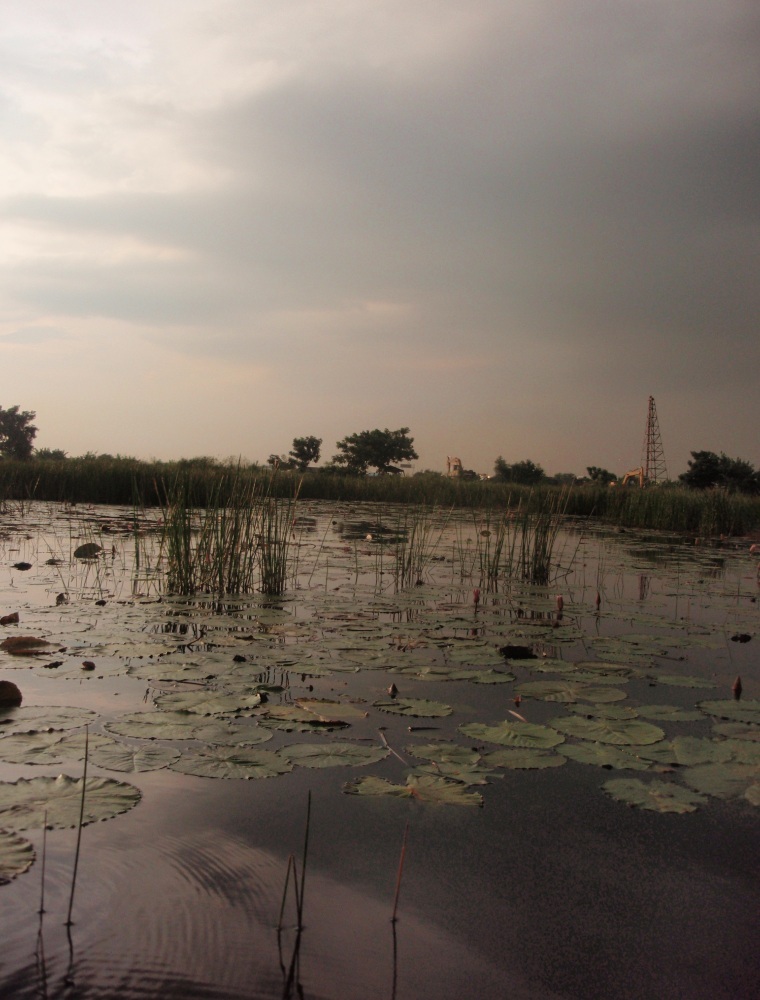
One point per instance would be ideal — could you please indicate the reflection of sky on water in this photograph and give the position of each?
(550, 890)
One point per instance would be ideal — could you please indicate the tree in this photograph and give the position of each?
(375, 449)
(599, 475)
(526, 473)
(707, 469)
(17, 432)
(304, 451)
(50, 454)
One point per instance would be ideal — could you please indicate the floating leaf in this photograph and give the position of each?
(24, 645)
(209, 702)
(734, 711)
(621, 732)
(689, 750)
(232, 762)
(423, 787)
(115, 756)
(738, 731)
(680, 680)
(524, 759)
(23, 803)
(728, 780)
(451, 753)
(658, 796)
(420, 708)
(565, 691)
(16, 856)
(604, 711)
(605, 755)
(43, 720)
(669, 713)
(516, 734)
(332, 754)
(331, 711)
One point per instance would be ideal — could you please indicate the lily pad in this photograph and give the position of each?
(688, 751)
(16, 856)
(567, 691)
(332, 754)
(669, 713)
(621, 732)
(23, 803)
(524, 760)
(208, 703)
(424, 788)
(728, 780)
(327, 711)
(515, 734)
(733, 711)
(420, 708)
(605, 755)
(44, 720)
(232, 762)
(117, 756)
(657, 796)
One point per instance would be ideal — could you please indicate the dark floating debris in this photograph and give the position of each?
(89, 550)
(22, 566)
(737, 688)
(518, 653)
(741, 637)
(11, 619)
(10, 695)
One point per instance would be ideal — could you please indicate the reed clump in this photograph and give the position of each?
(237, 542)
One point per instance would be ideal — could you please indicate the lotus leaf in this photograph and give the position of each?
(16, 856)
(467, 774)
(331, 711)
(605, 755)
(291, 718)
(689, 750)
(604, 711)
(658, 796)
(744, 751)
(332, 754)
(43, 720)
(122, 757)
(232, 762)
(738, 731)
(621, 732)
(726, 781)
(47, 748)
(24, 803)
(524, 759)
(418, 707)
(678, 680)
(209, 703)
(451, 753)
(515, 734)
(568, 692)
(734, 711)
(669, 713)
(424, 788)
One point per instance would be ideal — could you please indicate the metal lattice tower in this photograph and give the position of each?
(652, 454)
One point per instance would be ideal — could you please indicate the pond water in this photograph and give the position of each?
(576, 781)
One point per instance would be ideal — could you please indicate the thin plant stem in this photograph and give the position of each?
(44, 858)
(400, 872)
(303, 863)
(79, 829)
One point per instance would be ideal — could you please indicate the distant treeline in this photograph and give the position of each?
(116, 480)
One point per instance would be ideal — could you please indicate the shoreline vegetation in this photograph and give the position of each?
(703, 513)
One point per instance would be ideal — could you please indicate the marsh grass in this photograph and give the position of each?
(416, 540)
(237, 543)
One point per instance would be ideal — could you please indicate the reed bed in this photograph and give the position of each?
(236, 543)
(108, 480)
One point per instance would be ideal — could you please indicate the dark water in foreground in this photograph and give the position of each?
(551, 890)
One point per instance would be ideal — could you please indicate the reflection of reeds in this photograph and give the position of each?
(417, 536)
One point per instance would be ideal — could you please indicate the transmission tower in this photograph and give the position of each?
(652, 454)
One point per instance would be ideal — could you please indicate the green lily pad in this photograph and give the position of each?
(420, 708)
(123, 757)
(605, 755)
(47, 748)
(232, 762)
(293, 718)
(524, 760)
(567, 691)
(209, 703)
(688, 751)
(680, 680)
(184, 726)
(657, 796)
(738, 731)
(604, 711)
(23, 803)
(621, 732)
(43, 720)
(332, 754)
(515, 734)
(423, 787)
(669, 713)
(451, 753)
(16, 856)
(728, 780)
(331, 711)
(733, 711)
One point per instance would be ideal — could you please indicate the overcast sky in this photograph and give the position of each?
(501, 223)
